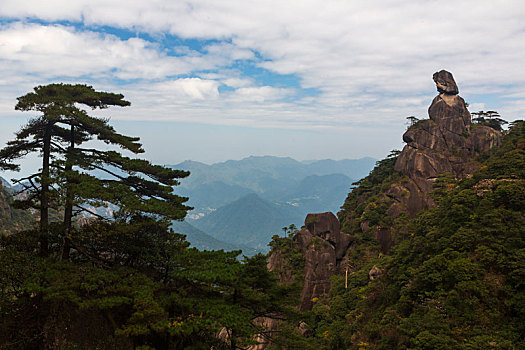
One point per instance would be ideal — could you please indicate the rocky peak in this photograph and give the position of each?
(444, 143)
(326, 226)
(323, 245)
(448, 109)
(445, 82)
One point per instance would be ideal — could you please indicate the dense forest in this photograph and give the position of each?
(74, 279)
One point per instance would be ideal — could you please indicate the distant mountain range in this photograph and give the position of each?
(212, 186)
(245, 202)
(241, 204)
(250, 221)
(204, 241)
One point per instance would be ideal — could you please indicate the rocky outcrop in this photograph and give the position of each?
(323, 246)
(445, 143)
(374, 273)
(326, 226)
(278, 263)
(445, 82)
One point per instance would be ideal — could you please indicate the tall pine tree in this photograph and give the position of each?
(134, 185)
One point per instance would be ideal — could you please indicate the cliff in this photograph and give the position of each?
(447, 142)
(429, 251)
(375, 213)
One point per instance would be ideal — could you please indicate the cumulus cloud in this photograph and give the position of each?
(367, 60)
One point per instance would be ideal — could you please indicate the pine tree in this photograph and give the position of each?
(66, 173)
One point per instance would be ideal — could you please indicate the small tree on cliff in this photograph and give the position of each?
(57, 135)
(411, 121)
(489, 118)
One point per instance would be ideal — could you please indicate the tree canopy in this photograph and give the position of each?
(119, 281)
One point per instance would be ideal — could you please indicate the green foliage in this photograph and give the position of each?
(163, 295)
(129, 282)
(489, 118)
(455, 282)
(65, 182)
(290, 251)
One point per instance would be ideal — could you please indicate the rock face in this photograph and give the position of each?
(445, 143)
(445, 82)
(323, 246)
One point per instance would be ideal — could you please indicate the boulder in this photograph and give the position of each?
(445, 82)
(374, 273)
(326, 226)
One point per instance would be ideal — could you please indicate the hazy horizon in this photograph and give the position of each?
(213, 81)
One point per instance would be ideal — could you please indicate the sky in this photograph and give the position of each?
(211, 80)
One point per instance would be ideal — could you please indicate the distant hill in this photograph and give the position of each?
(5, 183)
(318, 193)
(353, 168)
(212, 186)
(12, 219)
(249, 220)
(265, 174)
(213, 195)
(204, 241)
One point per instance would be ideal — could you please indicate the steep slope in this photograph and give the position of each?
(454, 280)
(250, 221)
(446, 144)
(435, 254)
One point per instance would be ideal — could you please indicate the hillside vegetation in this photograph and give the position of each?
(454, 278)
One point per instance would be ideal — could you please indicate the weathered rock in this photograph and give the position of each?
(323, 245)
(384, 237)
(374, 273)
(445, 82)
(304, 330)
(319, 266)
(326, 226)
(264, 339)
(278, 264)
(445, 143)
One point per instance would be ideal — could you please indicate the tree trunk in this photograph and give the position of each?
(44, 193)
(68, 210)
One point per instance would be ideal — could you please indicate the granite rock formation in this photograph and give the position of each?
(445, 143)
(323, 245)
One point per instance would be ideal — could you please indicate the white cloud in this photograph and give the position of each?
(259, 94)
(369, 60)
(194, 88)
(51, 51)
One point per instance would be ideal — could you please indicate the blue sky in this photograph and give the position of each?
(217, 80)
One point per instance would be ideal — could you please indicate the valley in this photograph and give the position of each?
(248, 201)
